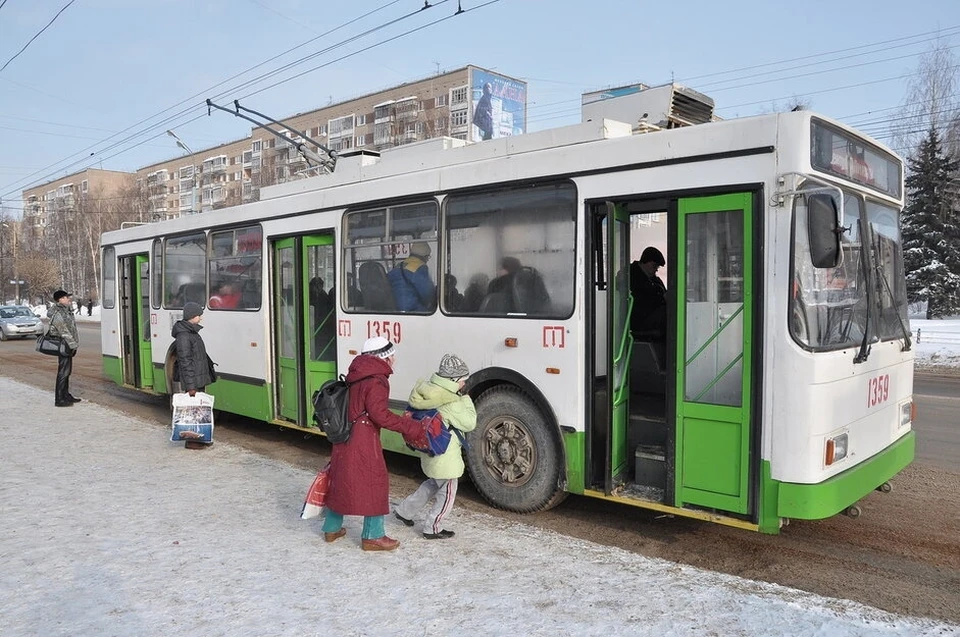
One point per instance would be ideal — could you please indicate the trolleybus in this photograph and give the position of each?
(780, 386)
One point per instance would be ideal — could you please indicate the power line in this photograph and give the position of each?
(17, 54)
(182, 112)
(163, 124)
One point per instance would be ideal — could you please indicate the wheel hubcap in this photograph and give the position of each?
(509, 453)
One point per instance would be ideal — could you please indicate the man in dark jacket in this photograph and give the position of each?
(63, 326)
(193, 369)
(649, 295)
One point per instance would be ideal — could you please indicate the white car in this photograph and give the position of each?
(19, 321)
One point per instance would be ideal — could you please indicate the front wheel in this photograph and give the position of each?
(515, 461)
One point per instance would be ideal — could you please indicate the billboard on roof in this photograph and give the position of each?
(498, 106)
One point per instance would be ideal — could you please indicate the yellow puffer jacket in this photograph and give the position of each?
(457, 411)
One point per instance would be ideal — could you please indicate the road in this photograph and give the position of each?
(902, 555)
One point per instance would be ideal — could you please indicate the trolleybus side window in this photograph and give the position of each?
(511, 252)
(828, 306)
(389, 259)
(109, 277)
(156, 283)
(184, 270)
(236, 268)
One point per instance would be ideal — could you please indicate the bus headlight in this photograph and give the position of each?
(906, 413)
(836, 449)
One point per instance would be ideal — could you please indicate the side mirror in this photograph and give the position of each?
(823, 230)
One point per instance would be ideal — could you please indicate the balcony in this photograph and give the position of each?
(215, 164)
(247, 158)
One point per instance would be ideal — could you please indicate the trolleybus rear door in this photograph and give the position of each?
(620, 344)
(135, 320)
(319, 315)
(305, 318)
(714, 300)
(286, 304)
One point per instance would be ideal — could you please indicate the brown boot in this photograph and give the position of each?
(380, 544)
(334, 536)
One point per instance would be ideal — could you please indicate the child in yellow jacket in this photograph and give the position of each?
(441, 392)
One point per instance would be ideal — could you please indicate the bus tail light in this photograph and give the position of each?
(836, 449)
(908, 411)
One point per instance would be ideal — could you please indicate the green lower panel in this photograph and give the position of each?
(113, 369)
(159, 380)
(392, 441)
(573, 443)
(253, 401)
(818, 501)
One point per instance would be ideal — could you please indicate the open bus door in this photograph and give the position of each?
(135, 321)
(619, 346)
(714, 314)
(304, 304)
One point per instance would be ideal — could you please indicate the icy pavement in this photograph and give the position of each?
(109, 529)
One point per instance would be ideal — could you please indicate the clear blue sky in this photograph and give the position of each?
(105, 65)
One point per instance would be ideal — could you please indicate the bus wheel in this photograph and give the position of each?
(514, 460)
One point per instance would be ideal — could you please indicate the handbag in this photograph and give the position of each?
(51, 345)
(317, 495)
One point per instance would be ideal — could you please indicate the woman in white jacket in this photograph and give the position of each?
(441, 392)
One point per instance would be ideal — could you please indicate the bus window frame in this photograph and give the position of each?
(209, 260)
(206, 287)
(109, 300)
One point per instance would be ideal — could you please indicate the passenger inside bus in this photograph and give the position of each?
(517, 289)
(476, 290)
(648, 321)
(321, 321)
(413, 289)
(227, 297)
(375, 289)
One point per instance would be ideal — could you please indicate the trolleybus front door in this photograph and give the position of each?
(135, 321)
(303, 307)
(620, 345)
(714, 309)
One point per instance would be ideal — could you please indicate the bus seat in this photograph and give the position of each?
(529, 293)
(495, 303)
(375, 288)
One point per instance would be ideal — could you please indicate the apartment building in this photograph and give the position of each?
(442, 105)
(41, 202)
(469, 103)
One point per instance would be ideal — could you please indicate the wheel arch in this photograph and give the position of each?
(490, 377)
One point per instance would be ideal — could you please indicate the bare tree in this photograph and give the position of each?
(930, 102)
(41, 275)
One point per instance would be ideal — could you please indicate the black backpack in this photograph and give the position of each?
(330, 404)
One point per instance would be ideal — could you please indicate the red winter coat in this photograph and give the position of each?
(359, 483)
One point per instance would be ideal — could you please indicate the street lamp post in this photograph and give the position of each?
(193, 194)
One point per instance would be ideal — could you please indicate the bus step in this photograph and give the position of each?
(650, 465)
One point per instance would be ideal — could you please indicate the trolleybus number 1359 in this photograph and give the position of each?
(878, 390)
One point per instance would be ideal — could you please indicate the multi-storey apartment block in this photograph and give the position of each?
(447, 104)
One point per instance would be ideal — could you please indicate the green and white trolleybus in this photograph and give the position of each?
(781, 387)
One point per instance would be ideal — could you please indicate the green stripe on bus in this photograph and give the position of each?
(818, 501)
(113, 369)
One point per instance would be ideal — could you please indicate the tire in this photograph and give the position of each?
(514, 458)
(3, 335)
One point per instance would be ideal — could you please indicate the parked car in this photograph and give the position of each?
(19, 321)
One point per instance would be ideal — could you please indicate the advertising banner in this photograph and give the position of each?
(499, 106)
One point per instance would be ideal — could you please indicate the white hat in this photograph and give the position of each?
(378, 346)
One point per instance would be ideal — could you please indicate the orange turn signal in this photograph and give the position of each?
(831, 449)
(553, 370)
(510, 341)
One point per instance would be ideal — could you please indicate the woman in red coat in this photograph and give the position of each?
(359, 483)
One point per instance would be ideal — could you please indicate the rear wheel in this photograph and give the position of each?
(515, 460)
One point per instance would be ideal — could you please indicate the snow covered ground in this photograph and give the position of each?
(109, 529)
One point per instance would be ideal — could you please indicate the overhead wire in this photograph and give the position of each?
(30, 41)
(205, 92)
(148, 129)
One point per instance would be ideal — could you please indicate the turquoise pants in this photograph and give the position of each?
(372, 525)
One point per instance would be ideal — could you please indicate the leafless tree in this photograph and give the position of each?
(41, 275)
(931, 100)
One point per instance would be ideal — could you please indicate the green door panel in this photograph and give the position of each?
(143, 325)
(285, 312)
(620, 345)
(714, 304)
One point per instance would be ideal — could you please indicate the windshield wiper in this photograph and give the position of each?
(864, 352)
(907, 342)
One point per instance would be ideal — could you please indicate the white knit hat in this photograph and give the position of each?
(378, 346)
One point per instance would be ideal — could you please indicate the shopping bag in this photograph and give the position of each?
(192, 418)
(317, 495)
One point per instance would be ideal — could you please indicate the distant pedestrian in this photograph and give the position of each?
(64, 327)
(443, 393)
(90, 307)
(359, 482)
(79, 306)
